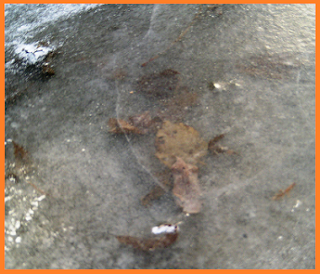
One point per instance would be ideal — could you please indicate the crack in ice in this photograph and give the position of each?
(129, 142)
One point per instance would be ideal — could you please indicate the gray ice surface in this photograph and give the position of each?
(262, 56)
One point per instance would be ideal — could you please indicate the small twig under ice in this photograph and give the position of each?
(177, 40)
(281, 192)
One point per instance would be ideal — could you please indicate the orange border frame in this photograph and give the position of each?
(2, 110)
(2, 128)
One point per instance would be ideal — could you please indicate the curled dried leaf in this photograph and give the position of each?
(213, 141)
(216, 149)
(150, 244)
(186, 187)
(118, 126)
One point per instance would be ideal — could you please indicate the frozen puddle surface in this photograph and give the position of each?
(106, 158)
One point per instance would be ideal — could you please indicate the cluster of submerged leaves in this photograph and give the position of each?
(178, 146)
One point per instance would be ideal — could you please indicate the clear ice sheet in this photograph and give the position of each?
(262, 64)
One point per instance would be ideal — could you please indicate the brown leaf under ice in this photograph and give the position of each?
(21, 155)
(145, 123)
(161, 85)
(186, 187)
(179, 140)
(118, 126)
(137, 124)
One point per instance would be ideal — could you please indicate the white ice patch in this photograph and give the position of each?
(8, 198)
(9, 63)
(298, 203)
(163, 229)
(32, 53)
(41, 198)
(24, 21)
